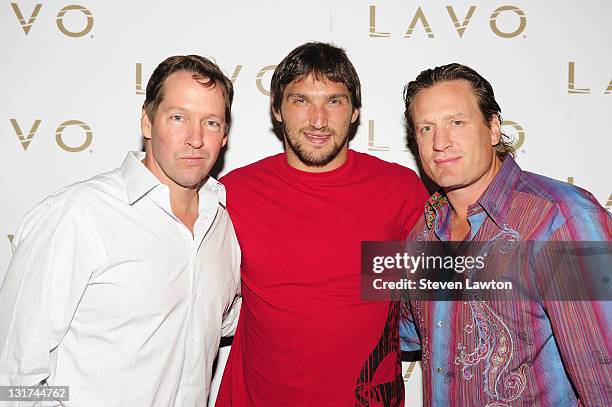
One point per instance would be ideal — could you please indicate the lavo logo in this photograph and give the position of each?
(460, 24)
(26, 139)
(571, 82)
(259, 81)
(27, 25)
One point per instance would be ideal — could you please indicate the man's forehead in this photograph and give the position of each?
(188, 88)
(446, 94)
(315, 78)
(182, 77)
(457, 87)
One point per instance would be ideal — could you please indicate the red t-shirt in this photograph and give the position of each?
(305, 336)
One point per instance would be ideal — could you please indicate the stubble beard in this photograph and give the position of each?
(314, 159)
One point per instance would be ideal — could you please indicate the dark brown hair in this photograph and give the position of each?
(320, 59)
(480, 87)
(201, 67)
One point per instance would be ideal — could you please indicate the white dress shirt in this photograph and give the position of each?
(110, 294)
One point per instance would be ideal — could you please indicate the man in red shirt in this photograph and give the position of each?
(306, 337)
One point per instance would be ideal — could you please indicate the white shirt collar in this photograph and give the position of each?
(139, 180)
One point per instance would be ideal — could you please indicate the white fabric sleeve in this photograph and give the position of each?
(55, 256)
(230, 320)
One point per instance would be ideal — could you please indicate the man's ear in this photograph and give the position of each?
(355, 115)
(495, 126)
(145, 124)
(277, 115)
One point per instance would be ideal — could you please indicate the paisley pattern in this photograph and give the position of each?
(437, 200)
(495, 345)
(495, 348)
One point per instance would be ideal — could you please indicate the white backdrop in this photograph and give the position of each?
(73, 75)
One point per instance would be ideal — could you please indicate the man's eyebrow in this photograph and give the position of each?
(338, 96)
(332, 96)
(452, 115)
(445, 117)
(297, 95)
(174, 107)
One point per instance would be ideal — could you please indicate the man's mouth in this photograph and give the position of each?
(317, 138)
(193, 160)
(446, 160)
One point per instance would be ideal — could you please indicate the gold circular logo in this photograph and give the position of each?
(498, 11)
(260, 75)
(60, 21)
(519, 139)
(64, 146)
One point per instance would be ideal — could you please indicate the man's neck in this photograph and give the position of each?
(185, 204)
(461, 199)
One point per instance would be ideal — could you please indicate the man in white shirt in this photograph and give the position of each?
(121, 286)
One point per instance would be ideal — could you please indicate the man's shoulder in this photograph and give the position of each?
(259, 167)
(88, 191)
(79, 201)
(569, 199)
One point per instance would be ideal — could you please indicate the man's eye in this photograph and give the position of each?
(335, 102)
(213, 125)
(457, 122)
(425, 129)
(176, 117)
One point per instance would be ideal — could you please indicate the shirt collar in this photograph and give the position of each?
(495, 200)
(498, 196)
(215, 187)
(139, 181)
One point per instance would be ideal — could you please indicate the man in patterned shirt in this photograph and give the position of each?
(547, 351)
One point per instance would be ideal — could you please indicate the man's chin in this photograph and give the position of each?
(193, 183)
(444, 178)
(314, 157)
(318, 160)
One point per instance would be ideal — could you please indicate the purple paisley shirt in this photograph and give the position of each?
(506, 353)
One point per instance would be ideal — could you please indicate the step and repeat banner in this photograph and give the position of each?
(74, 74)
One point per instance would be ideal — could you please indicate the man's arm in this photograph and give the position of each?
(54, 258)
(580, 329)
(230, 320)
(580, 325)
(409, 338)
